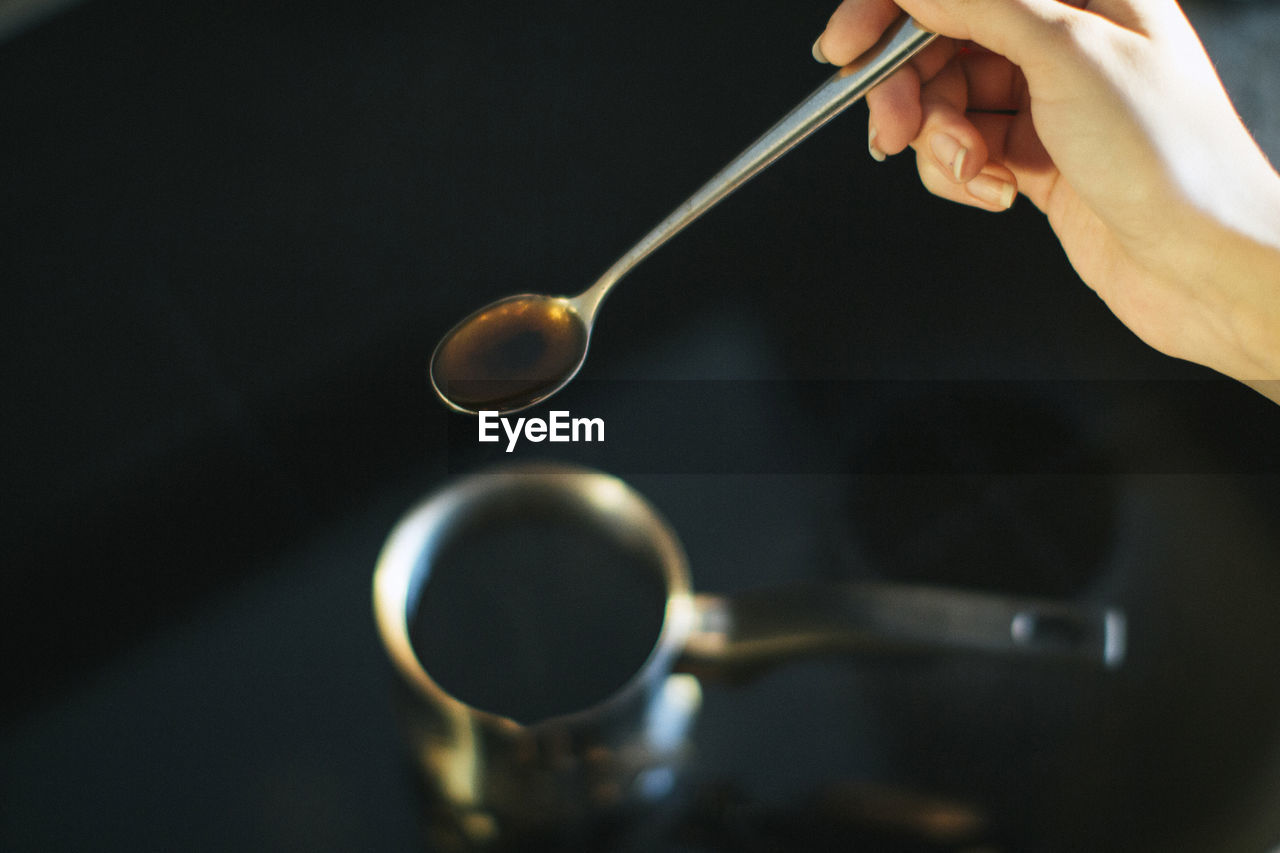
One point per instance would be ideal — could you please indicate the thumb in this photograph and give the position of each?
(1029, 33)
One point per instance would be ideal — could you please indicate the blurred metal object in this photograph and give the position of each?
(566, 780)
(764, 627)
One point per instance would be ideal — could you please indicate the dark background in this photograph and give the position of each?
(234, 232)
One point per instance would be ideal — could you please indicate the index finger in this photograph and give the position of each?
(853, 28)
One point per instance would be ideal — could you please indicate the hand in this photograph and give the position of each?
(1112, 121)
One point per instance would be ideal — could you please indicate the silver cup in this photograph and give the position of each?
(576, 779)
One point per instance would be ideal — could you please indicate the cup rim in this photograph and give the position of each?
(406, 556)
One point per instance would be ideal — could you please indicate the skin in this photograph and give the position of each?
(1111, 120)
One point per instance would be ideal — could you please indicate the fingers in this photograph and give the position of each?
(952, 151)
(1012, 142)
(1031, 33)
(953, 155)
(897, 99)
(973, 80)
(853, 28)
(896, 113)
(1028, 32)
(926, 105)
(994, 188)
(994, 84)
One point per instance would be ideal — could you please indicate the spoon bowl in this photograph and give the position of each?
(516, 352)
(510, 354)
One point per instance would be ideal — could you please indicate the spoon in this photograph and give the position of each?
(518, 351)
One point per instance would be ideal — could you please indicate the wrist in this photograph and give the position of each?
(1240, 275)
(1255, 318)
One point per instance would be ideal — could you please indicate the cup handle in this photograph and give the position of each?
(758, 628)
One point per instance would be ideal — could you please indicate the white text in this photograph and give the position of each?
(557, 427)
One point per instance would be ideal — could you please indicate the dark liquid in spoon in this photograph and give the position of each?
(509, 355)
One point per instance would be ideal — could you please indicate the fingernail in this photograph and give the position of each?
(876, 153)
(950, 153)
(993, 191)
(817, 51)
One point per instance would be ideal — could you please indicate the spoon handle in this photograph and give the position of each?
(899, 43)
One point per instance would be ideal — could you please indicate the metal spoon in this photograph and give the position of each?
(518, 351)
